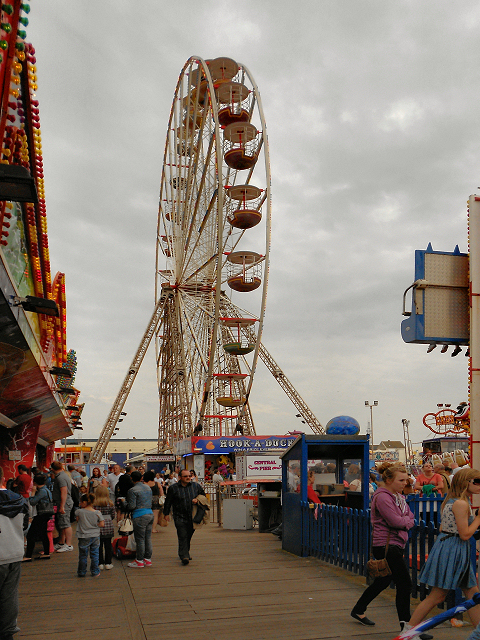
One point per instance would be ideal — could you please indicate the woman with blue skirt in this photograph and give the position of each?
(449, 564)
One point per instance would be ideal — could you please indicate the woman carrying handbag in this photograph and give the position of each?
(391, 519)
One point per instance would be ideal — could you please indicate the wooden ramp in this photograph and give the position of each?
(240, 585)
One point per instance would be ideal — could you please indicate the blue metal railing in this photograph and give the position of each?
(342, 537)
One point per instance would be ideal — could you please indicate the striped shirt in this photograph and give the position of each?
(180, 499)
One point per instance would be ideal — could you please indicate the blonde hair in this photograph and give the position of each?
(389, 469)
(459, 487)
(102, 497)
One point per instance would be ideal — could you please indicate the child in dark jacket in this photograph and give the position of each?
(42, 500)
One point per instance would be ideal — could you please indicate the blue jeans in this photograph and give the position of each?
(84, 544)
(9, 579)
(142, 530)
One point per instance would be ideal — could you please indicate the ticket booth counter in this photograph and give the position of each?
(340, 466)
(264, 495)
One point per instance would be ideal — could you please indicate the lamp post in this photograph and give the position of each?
(374, 404)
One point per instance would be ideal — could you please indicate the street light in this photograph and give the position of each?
(375, 404)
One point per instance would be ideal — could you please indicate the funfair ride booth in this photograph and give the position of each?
(338, 462)
(38, 402)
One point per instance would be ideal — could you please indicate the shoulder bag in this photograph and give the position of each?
(45, 505)
(379, 568)
(125, 526)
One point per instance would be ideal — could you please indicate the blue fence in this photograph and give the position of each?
(342, 536)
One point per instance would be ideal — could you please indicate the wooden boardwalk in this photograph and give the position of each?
(240, 585)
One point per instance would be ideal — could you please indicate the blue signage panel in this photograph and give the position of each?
(217, 444)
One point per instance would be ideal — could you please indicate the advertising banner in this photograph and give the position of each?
(218, 444)
(263, 467)
(159, 458)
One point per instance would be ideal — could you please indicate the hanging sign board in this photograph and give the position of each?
(440, 299)
(263, 467)
(159, 458)
(217, 444)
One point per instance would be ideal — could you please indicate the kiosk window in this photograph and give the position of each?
(293, 476)
(352, 474)
(325, 471)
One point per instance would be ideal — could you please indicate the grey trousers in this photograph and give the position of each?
(142, 529)
(9, 579)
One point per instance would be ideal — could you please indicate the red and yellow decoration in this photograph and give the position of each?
(22, 145)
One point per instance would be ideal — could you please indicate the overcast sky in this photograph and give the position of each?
(372, 110)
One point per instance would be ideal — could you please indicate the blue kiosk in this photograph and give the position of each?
(340, 466)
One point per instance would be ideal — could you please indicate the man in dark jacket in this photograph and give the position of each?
(13, 522)
(122, 487)
(181, 496)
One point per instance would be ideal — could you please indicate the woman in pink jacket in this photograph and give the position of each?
(391, 519)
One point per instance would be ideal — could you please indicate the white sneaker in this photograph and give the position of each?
(136, 565)
(57, 546)
(101, 567)
(65, 547)
(109, 566)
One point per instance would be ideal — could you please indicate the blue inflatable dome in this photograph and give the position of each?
(342, 426)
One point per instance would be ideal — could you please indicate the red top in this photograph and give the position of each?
(436, 480)
(312, 496)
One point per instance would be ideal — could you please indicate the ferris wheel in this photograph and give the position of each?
(212, 258)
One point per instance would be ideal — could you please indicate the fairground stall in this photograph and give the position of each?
(340, 466)
(251, 468)
(38, 401)
(235, 457)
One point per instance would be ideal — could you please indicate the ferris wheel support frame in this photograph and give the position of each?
(114, 415)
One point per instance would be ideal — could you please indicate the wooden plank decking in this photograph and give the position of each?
(239, 585)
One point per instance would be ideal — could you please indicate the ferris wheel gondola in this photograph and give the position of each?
(213, 243)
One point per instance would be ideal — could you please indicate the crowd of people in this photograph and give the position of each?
(57, 496)
(37, 502)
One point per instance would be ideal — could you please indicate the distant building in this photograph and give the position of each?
(389, 451)
(118, 450)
